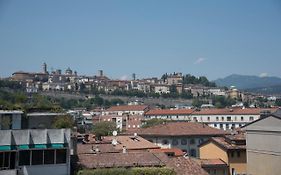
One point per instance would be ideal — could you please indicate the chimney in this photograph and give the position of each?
(124, 150)
(135, 135)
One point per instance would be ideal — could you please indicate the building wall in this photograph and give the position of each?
(212, 151)
(217, 171)
(263, 147)
(239, 164)
(8, 172)
(218, 121)
(263, 164)
(185, 143)
(61, 169)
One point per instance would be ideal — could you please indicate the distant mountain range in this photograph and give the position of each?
(250, 82)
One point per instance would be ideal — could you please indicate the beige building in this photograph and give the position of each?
(230, 149)
(264, 145)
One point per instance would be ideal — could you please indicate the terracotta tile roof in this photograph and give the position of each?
(169, 112)
(128, 108)
(185, 166)
(226, 111)
(233, 111)
(221, 141)
(212, 163)
(89, 148)
(176, 151)
(133, 143)
(134, 159)
(180, 129)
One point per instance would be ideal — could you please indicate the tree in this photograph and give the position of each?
(197, 102)
(63, 122)
(153, 122)
(103, 129)
(278, 102)
(222, 102)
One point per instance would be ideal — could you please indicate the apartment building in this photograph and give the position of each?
(231, 149)
(263, 145)
(126, 110)
(10, 119)
(33, 152)
(218, 118)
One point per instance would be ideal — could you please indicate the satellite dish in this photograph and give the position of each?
(114, 142)
(114, 133)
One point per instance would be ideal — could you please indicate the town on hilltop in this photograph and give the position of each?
(64, 124)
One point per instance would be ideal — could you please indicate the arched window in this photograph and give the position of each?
(183, 141)
(175, 142)
(165, 142)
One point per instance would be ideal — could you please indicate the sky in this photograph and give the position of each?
(146, 37)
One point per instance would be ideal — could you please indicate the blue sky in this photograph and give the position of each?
(146, 37)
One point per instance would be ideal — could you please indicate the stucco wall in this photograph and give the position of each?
(212, 151)
(61, 169)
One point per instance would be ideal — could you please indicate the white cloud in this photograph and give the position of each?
(124, 77)
(199, 60)
(264, 74)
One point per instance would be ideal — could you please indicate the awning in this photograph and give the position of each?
(5, 148)
(57, 145)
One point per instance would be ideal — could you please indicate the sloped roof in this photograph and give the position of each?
(185, 166)
(170, 112)
(133, 143)
(180, 129)
(128, 108)
(130, 159)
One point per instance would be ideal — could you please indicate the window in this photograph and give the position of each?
(208, 118)
(60, 156)
(49, 156)
(232, 154)
(194, 118)
(7, 160)
(228, 118)
(215, 125)
(37, 157)
(165, 142)
(227, 126)
(192, 141)
(183, 141)
(201, 140)
(242, 118)
(175, 142)
(233, 126)
(24, 158)
(221, 126)
(217, 118)
(193, 153)
(238, 153)
(251, 118)
(222, 118)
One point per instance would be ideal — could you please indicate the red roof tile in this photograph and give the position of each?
(185, 166)
(180, 129)
(133, 143)
(234, 111)
(130, 159)
(170, 112)
(176, 151)
(212, 162)
(128, 108)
